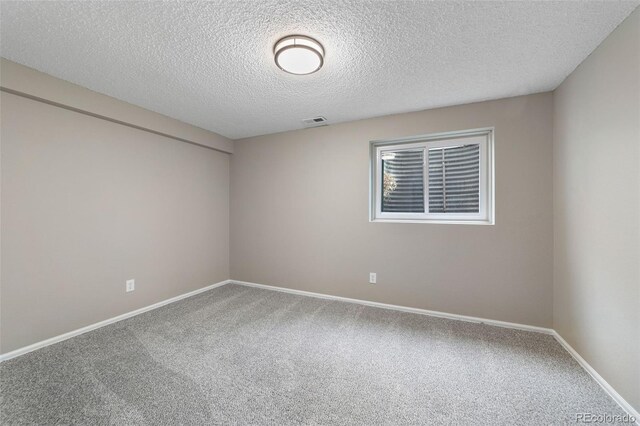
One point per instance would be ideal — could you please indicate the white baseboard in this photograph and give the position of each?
(599, 379)
(584, 364)
(65, 336)
(402, 308)
(603, 383)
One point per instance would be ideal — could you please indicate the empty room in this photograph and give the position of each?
(285, 212)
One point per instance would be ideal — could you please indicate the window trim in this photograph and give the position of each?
(484, 137)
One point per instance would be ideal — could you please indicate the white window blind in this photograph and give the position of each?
(403, 181)
(454, 179)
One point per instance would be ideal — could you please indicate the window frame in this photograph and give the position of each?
(483, 137)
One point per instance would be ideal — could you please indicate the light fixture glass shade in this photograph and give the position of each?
(298, 55)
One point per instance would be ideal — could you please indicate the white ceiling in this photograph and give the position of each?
(211, 64)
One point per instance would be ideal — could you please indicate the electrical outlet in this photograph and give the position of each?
(131, 285)
(372, 277)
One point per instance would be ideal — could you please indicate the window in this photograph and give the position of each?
(440, 178)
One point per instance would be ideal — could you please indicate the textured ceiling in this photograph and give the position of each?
(211, 63)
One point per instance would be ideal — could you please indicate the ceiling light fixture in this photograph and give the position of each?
(298, 54)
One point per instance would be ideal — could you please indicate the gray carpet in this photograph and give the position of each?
(240, 355)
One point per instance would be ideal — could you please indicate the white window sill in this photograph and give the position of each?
(436, 221)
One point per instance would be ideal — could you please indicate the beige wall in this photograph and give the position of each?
(87, 204)
(597, 209)
(300, 217)
(30, 82)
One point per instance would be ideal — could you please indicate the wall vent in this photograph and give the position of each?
(314, 122)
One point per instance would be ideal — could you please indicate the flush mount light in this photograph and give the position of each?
(298, 54)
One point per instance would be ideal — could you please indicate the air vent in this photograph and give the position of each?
(314, 122)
